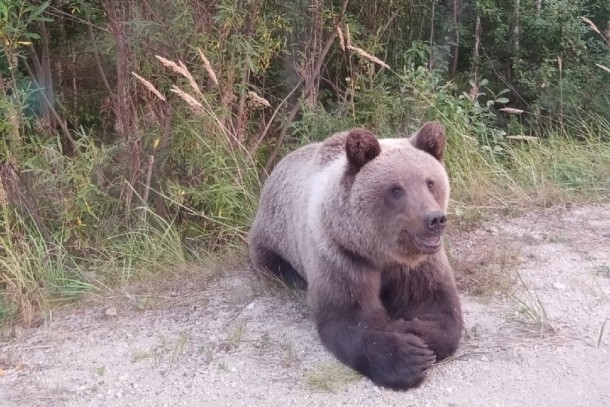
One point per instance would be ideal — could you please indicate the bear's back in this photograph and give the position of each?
(291, 197)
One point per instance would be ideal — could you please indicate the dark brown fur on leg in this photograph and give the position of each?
(429, 306)
(394, 360)
(354, 325)
(267, 261)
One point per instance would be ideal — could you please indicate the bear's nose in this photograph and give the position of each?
(436, 221)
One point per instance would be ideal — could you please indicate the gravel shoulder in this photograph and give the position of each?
(238, 342)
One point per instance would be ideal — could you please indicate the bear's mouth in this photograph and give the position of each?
(428, 244)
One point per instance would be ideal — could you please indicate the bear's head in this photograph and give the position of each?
(395, 193)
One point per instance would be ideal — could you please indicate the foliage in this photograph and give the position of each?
(134, 134)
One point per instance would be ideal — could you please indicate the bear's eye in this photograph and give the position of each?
(397, 191)
(430, 185)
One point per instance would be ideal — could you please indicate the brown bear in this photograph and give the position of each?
(358, 221)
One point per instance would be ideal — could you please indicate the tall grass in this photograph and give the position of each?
(33, 270)
(560, 164)
(200, 205)
(209, 189)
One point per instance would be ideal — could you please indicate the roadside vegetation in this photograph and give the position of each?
(135, 136)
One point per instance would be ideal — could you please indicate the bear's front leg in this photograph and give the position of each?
(355, 327)
(430, 307)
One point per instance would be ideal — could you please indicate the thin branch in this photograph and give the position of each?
(62, 124)
(56, 12)
(261, 136)
(98, 62)
(309, 84)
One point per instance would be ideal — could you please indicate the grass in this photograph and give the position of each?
(104, 232)
(141, 355)
(236, 334)
(488, 269)
(33, 271)
(603, 270)
(181, 343)
(531, 315)
(562, 165)
(329, 377)
(290, 356)
(601, 333)
(211, 209)
(36, 274)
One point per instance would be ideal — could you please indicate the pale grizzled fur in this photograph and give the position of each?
(326, 217)
(307, 200)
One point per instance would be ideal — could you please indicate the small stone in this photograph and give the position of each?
(559, 286)
(111, 312)
(250, 306)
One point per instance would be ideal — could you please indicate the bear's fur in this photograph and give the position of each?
(358, 221)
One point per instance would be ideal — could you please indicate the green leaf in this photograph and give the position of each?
(39, 10)
(3, 11)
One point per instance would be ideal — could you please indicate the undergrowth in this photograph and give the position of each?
(75, 232)
(559, 165)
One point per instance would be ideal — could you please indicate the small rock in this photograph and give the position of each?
(19, 332)
(492, 230)
(111, 312)
(250, 306)
(559, 286)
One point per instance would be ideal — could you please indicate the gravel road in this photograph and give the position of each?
(234, 341)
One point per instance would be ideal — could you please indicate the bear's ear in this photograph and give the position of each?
(431, 139)
(361, 146)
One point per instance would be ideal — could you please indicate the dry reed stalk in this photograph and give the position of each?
(521, 137)
(605, 68)
(190, 79)
(341, 39)
(195, 106)
(511, 110)
(591, 24)
(368, 56)
(348, 36)
(3, 198)
(208, 67)
(171, 65)
(180, 69)
(260, 100)
(149, 86)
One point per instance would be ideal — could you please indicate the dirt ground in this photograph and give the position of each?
(535, 290)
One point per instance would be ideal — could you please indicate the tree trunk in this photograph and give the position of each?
(516, 27)
(431, 39)
(514, 40)
(52, 112)
(119, 15)
(46, 75)
(475, 59)
(116, 18)
(96, 58)
(44, 80)
(241, 115)
(456, 39)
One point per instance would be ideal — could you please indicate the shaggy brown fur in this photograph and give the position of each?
(359, 221)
